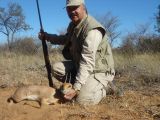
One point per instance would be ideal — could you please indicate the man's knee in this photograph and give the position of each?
(58, 68)
(90, 98)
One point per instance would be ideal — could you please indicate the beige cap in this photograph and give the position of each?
(74, 2)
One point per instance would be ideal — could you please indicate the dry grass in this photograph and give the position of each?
(145, 63)
(145, 67)
(23, 69)
(139, 77)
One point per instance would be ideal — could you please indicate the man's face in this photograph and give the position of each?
(76, 13)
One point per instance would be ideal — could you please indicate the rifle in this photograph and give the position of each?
(45, 50)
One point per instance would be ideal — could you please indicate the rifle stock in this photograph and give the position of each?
(45, 50)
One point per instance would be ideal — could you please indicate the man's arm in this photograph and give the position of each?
(53, 38)
(56, 39)
(87, 62)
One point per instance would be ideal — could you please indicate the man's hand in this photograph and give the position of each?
(42, 35)
(70, 94)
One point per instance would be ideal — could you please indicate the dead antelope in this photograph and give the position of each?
(41, 94)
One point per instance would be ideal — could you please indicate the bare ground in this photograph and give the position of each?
(138, 103)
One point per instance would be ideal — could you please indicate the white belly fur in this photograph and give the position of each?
(32, 97)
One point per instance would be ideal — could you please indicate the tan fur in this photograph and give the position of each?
(65, 87)
(41, 94)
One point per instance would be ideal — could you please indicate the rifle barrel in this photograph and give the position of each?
(39, 15)
(45, 50)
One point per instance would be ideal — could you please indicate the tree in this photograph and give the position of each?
(158, 20)
(140, 41)
(12, 20)
(111, 24)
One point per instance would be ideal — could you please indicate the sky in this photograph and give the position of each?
(54, 17)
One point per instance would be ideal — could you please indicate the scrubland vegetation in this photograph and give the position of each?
(137, 74)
